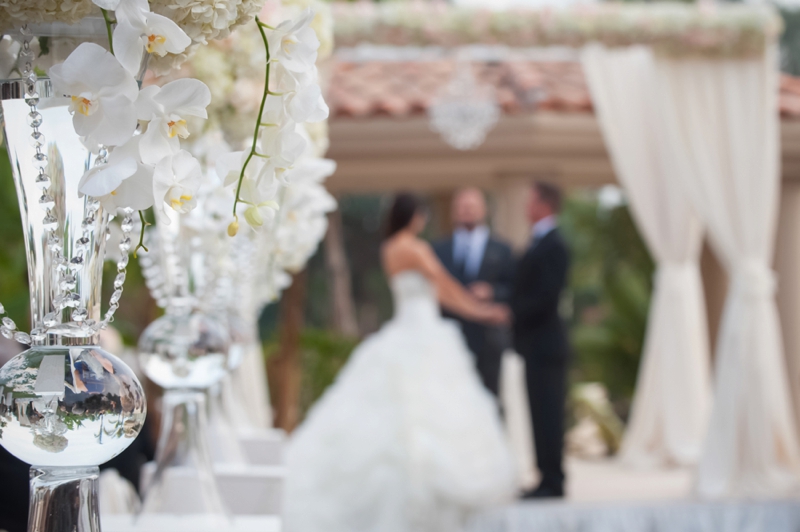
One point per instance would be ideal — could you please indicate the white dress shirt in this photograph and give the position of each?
(543, 227)
(468, 249)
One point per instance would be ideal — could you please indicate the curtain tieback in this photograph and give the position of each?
(753, 278)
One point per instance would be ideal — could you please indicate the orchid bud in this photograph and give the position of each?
(233, 228)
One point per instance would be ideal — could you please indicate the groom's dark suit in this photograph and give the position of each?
(487, 343)
(540, 337)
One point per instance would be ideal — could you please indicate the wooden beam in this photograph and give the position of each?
(384, 154)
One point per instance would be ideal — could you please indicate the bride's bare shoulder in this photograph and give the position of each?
(402, 244)
(403, 252)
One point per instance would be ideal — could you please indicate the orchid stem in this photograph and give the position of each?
(253, 149)
(141, 235)
(109, 30)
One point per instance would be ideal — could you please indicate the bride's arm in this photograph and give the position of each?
(453, 296)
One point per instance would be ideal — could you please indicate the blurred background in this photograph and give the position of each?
(378, 119)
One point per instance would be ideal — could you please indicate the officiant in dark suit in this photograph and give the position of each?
(485, 265)
(540, 335)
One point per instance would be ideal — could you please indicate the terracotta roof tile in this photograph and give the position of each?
(405, 88)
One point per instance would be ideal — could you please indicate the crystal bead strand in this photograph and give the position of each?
(122, 265)
(67, 269)
(29, 78)
(80, 314)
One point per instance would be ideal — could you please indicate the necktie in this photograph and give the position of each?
(461, 256)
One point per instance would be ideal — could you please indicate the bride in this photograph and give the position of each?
(407, 439)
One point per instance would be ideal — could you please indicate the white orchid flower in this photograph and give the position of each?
(311, 172)
(122, 182)
(282, 144)
(259, 209)
(274, 112)
(139, 30)
(307, 105)
(108, 5)
(294, 44)
(229, 165)
(301, 95)
(175, 182)
(259, 186)
(166, 108)
(103, 94)
(284, 80)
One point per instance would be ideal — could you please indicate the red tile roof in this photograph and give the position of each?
(406, 88)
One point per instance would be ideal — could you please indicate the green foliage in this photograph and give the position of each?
(611, 285)
(323, 354)
(13, 265)
(790, 42)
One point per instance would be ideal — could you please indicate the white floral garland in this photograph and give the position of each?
(670, 28)
(149, 169)
(291, 96)
(233, 69)
(201, 20)
(281, 192)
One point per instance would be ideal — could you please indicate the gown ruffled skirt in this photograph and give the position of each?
(406, 440)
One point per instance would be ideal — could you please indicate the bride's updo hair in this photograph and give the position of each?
(404, 207)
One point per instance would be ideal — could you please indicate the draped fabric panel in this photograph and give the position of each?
(251, 389)
(721, 124)
(672, 400)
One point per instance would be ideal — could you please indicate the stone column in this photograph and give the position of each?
(441, 206)
(510, 195)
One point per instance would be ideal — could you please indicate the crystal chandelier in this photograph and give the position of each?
(465, 110)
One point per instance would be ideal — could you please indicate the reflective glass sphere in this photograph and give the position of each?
(69, 406)
(185, 351)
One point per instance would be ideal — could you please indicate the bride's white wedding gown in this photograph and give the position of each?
(407, 439)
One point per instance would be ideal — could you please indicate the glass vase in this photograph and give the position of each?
(66, 405)
(186, 352)
(183, 482)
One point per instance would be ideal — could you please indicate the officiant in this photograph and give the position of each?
(485, 265)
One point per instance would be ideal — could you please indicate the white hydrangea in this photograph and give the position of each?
(248, 9)
(16, 12)
(202, 20)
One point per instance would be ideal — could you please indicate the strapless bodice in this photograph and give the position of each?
(414, 296)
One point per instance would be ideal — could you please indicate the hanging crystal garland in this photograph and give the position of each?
(67, 404)
(67, 267)
(465, 110)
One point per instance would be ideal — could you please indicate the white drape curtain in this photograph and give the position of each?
(250, 388)
(721, 122)
(673, 393)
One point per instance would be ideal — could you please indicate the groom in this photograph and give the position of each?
(540, 335)
(485, 266)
